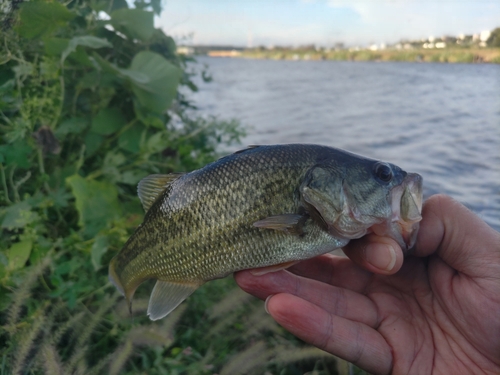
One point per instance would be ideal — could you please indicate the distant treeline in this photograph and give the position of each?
(479, 55)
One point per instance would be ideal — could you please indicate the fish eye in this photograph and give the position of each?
(383, 171)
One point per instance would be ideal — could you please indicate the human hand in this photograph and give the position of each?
(438, 312)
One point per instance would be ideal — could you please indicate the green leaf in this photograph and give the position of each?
(108, 121)
(92, 143)
(156, 5)
(99, 248)
(96, 202)
(18, 254)
(17, 154)
(114, 159)
(132, 177)
(86, 41)
(18, 215)
(107, 6)
(55, 46)
(130, 139)
(159, 89)
(38, 18)
(154, 80)
(135, 23)
(73, 125)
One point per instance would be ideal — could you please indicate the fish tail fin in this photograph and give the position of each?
(128, 290)
(166, 296)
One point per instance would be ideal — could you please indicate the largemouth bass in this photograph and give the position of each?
(265, 206)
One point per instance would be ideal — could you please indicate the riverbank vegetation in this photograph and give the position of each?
(448, 55)
(89, 105)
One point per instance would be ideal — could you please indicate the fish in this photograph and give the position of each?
(265, 207)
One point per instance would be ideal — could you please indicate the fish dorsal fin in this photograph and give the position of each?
(150, 187)
(249, 147)
(166, 296)
(290, 223)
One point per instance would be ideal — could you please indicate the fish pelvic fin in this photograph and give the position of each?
(166, 296)
(151, 187)
(275, 268)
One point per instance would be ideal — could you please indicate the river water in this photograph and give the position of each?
(440, 120)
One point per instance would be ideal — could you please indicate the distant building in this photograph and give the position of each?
(485, 34)
(184, 50)
(440, 45)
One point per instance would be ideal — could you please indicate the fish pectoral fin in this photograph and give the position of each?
(166, 296)
(150, 187)
(290, 223)
(274, 268)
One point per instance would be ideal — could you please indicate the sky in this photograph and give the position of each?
(251, 23)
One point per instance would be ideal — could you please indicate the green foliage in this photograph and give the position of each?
(494, 39)
(88, 107)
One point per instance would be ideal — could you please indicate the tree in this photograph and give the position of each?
(494, 39)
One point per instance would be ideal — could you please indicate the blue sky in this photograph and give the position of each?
(323, 22)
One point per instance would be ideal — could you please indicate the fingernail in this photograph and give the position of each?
(381, 256)
(267, 301)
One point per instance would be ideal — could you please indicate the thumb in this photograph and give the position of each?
(459, 237)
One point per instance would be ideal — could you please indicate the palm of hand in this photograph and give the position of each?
(421, 320)
(428, 319)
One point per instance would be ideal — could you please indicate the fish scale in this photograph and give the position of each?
(261, 207)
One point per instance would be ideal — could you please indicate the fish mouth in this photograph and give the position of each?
(406, 204)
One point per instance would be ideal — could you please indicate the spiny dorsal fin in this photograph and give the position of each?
(249, 147)
(166, 296)
(152, 186)
(290, 223)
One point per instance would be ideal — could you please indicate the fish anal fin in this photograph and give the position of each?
(150, 187)
(274, 268)
(166, 296)
(290, 223)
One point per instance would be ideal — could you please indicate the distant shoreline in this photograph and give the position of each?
(469, 55)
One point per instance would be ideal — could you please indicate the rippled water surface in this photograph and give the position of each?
(440, 120)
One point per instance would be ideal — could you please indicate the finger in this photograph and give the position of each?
(338, 301)
(376, 254)
(459, 237)
(334, 270)
(352, 341)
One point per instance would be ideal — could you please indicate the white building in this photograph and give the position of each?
(485, 34)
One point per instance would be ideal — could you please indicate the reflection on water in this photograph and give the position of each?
(440, 120)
